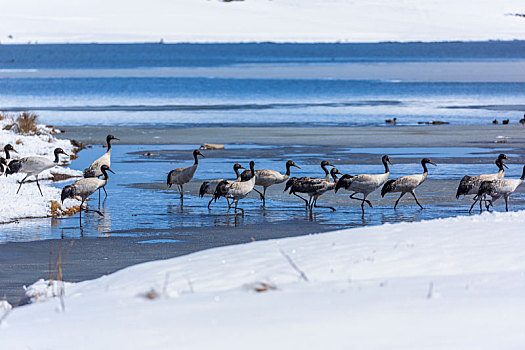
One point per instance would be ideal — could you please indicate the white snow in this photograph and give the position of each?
(443, 284)
(260, 20)
(28, 203)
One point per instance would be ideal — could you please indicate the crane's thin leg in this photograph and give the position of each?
(480, 205)
(180, 190)
(414, 195)
(260, 194)
(264, 196)
(401, 196)
(81, 204)
(241, 209)
(322, 206)
(506, 203)
(105, 193)
(209, 203)
(228, 200)
(473, 204)
(36, 177)
(305, 201)
(21, 182)
(359, 199)
(99, 197)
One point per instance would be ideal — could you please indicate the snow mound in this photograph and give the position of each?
(442, 284)
(28, 203)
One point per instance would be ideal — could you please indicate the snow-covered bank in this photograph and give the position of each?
(28, 203)
(261, 20)
(442, 284)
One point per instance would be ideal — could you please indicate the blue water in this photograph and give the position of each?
(138, 90)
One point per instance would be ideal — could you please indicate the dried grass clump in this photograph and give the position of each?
(57, 210)
(27, 123)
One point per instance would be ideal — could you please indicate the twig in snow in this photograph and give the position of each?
(190, 284)
(166, 281)
(430, 290)
(296, 268)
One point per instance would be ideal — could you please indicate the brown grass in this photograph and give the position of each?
(260, 287)
(27, 123)
(57, 210)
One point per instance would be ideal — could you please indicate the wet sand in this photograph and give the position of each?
(152, 231)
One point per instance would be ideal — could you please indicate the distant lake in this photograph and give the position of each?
(255, 84)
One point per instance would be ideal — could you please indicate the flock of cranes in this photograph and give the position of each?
(481, 186)
(96, 177)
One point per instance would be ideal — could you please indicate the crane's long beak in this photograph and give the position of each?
(297, 166)
(434, 164)
(505, 165)
(111, 170)
(390, 162)
(116, 138)
(14, 150)
(241, 167)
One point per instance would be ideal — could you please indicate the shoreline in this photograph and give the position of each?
(359, 137)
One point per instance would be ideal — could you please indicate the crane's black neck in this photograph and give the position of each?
(105, 176)
(236, 171)
(385, 163)
(196, 157)
(425, 170)
(7, 155)
(523, 174)
(252, 169)
(108, 141)
(56, 157)
(334, 174)
(288, 166)
(326, 172)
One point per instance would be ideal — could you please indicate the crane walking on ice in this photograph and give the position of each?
(496, 189)
(267, 178)
(236, 190)
(307, 184)
(209, 187)
(183, 175)
(364, 183)
(407, 184)
(85, 188)
(470, 184)
(95, 169)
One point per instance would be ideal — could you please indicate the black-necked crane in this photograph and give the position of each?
(236, 190)
(33, 166)
(292, 180)
(497, 189)
(267, 178)
(364, 183)
(470, 184)
(8, 149)
(320, 187)
(209, 187)
(95, 169)
(408, 183)
(84, 188)
(183, 175)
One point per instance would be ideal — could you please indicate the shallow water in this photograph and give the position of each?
(139, 204)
